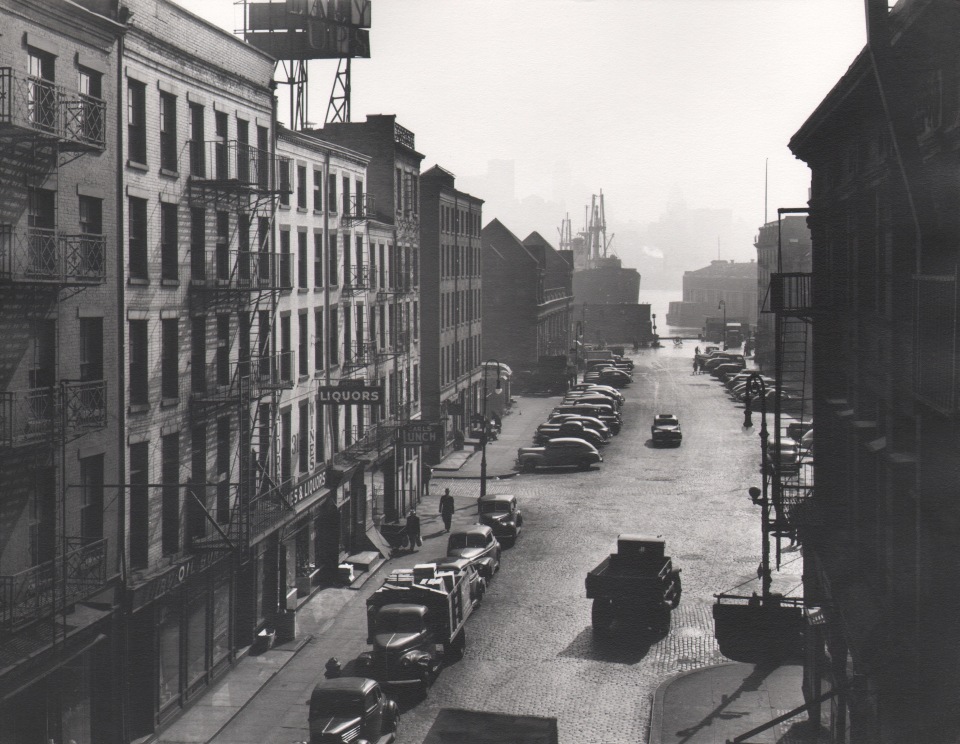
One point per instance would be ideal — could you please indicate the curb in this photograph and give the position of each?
(501, 476)
(656, 710)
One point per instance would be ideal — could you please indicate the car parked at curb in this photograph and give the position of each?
(499, 511)
(588, 421)
(547, 431)
(563, 451)
(477, 544)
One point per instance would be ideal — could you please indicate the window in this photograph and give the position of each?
(170, 506)
(42, 103)
(197, 498)
(318, 260)
(263, 157)
(136, 122)
(346, 195)
(168, 241)
(318, 360)
(91, 349)
(286, 443)
(139, 386)
(91, 497)
(198, 353)
(223, 350)
(321, 453)
(137, 240)
(302, 274)
(198, 243)
(416, 382)
(243, 151)
(284, 166)
(223, 470)
(332, 193)
(139, 504)
(303, 358)
(372, 261)
(333, 270)
(92, 259)
(198, 166)
(91, 114)
(168, 131)
(169, 361)
(221, 162)
(301, 187)
(399, 190)
(358, 208)
(348, 276)
(415, 321)
(303, 441)
(286, 264)
(333, 343)
(223, 246)
(286, 363)
(317, 190)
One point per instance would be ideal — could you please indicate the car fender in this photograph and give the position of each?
(485, 567)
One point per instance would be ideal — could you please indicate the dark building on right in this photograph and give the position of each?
(882, 523)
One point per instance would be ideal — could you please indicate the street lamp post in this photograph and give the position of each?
(484, 432)
(761, 496)
(723, 305)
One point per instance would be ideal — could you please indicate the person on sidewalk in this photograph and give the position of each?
(413, 530)
(446, 509)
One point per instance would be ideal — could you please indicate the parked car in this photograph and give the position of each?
(499, 511)
(463, 567)
(592, 397)
(589, 421)
(616, 377)
(806, 443)
(787, 460)
(666, 430)
(345, 708)
(603, 413)
(547, 431)
(478, 545)
(608, 389)
(727, 368)
(559, 452)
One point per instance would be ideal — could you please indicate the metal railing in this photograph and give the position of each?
(39, 591)
(43, 255)
(791, 293)
(41, 107)
(28, 417)
(403, 136)
(252, 271)
(221, 382)
(234, 165)
(357, 276)
(357, 207)
(360, 354)
(85, 405)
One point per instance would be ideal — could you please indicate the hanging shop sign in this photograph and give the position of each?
(360, 395)
(420, 433)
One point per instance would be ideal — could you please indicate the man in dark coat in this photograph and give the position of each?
(446, 509)
(413, 529)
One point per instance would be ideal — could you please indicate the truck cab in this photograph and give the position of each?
(345, 709)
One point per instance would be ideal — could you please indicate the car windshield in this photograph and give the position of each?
(398, 622)
(488, 507)
(465, 540)
(344, 705)
(667, 422)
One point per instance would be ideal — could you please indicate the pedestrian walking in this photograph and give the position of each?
(413, 530)
(446, 509)
(427, 475)
(696, 365)
(697, 351)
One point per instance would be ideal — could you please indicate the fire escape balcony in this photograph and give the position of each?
(28, 417)
(399, 283)
(85, 405)
(357, 278)
(791, 295)
(237, 271)
(224, 382)
(36, 109)
(360, 354)
(77, 573)
(233, 167)
(38, 255)
(357, 208)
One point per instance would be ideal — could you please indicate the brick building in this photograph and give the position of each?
(881, 528)
(450, 297)
(393, 191)
(60, 562)
(528, 298)
(703, 289)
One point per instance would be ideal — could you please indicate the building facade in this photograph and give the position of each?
(703, 289)
(393, 210)
(450, 298)
(880, 532)
(527, 299)
(61, 524)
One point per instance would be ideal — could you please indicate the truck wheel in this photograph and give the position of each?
(661, 621)
(676, 594)
(583, 465)
(528, 466)
(602, 616)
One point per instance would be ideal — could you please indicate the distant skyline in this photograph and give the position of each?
(645, 99)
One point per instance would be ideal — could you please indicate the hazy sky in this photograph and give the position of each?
(637, 97)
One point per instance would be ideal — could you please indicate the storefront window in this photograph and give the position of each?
(197, 635)
(221, 618)
(169, 624)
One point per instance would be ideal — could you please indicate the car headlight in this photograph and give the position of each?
(365, 659)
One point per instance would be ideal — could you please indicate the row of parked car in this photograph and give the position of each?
(416, 623)
(796, 440)
(584, 421)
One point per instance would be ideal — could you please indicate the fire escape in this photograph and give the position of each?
(239, 282)
(44, 127)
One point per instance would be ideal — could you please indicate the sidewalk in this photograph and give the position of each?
(717, 703)
(516, 430)
(262, 696)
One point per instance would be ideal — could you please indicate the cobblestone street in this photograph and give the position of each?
(530, 648)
